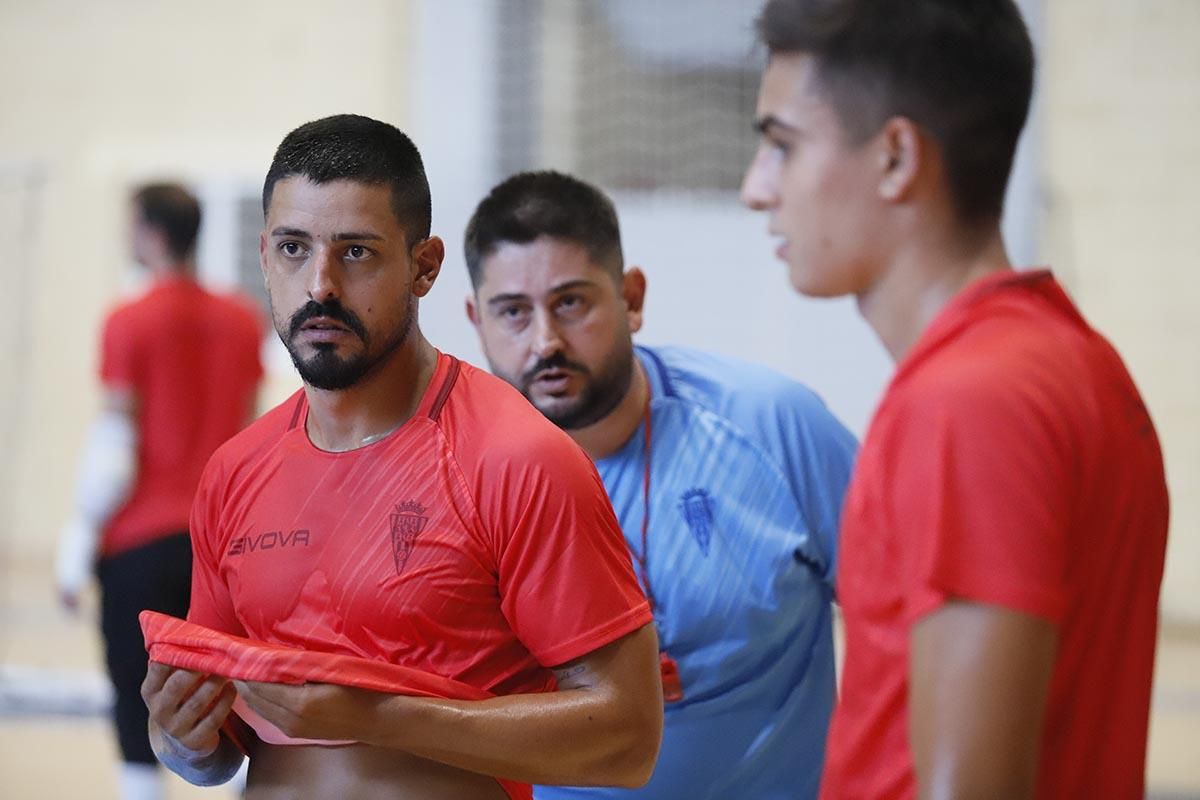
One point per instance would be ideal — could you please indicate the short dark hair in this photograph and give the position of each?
(357, 148)
(960, 69)
(172, 209)
(546, 203)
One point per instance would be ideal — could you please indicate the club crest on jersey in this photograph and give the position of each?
(408, 520)
(697, 508)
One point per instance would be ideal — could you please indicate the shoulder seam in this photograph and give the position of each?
(446, 387)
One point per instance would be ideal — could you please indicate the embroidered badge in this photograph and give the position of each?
(696, 505)
(407, 523)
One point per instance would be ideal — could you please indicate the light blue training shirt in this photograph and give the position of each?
(748, 471)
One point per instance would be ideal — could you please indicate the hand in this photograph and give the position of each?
(75, 561)
(188, 707)
(69, 600)
(314, 710)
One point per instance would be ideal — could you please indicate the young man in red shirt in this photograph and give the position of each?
(180, 370)
(1004, 534)
(402, 511)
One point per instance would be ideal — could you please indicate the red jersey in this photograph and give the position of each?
(191, 359)
(1013, 463)
(475, 542)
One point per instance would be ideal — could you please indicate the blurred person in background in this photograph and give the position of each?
(727, 479)
(179, 368)
(1004, 534)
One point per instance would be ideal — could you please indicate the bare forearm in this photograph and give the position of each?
(213, 769)
(602, 727)
(567, 737)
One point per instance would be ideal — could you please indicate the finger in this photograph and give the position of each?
(201, 700)
(179, 686)
(216, 714)
(205, 734)
(167, 707)
(156, 675)
(267, 699)
(252, 693)
(181, 721)
(270, 693)
(69, 601)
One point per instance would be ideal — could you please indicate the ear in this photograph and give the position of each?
(262, 257)
(633, 291)
(472, 311)
(901, 158)
(427, 257)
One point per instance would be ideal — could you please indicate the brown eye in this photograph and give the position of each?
(570, 305)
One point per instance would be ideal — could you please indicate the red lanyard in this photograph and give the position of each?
(672, 686)
(644, 554)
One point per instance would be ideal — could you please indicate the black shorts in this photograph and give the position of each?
(155, 576)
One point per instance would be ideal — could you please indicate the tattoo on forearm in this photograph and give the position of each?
(572, 677)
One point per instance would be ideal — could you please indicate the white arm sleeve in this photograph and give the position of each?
(102, 485)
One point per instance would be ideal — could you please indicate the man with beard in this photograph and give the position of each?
(727, 479)
(1004, 534)
(404, 513)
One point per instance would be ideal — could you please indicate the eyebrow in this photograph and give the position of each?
(510, 297)
(578, 283)
(337, 237)
(765, 124)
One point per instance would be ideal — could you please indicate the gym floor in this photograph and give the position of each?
(48, 658)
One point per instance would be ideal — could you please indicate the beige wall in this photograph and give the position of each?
(98, 95)
(1122, 163)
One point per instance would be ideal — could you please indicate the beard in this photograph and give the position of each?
(603, 390)
(327, 370)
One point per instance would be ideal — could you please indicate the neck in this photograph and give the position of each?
(386, 398)
(921, 279)
(165, 270)
(603, 438)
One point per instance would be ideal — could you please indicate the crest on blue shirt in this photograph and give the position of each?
(696, 505)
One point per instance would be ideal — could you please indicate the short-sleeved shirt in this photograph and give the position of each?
(1012, 463)
(747, 475)
(475, 542)
(191, 358)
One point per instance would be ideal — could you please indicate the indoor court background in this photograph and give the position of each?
(653, 99)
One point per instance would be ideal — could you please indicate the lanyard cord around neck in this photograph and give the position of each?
(644, 555)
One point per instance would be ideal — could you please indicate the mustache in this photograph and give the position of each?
(555, 361)
(332, 310)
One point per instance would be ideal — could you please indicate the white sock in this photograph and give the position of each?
(141, 782)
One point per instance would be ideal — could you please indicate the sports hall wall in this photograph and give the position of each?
(100, 96)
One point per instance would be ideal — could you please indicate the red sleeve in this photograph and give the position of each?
(211, 605)
(567, 585)
(118, 351)
(981, 488)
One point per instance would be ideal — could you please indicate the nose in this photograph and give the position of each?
(759, 184)
(547, 340)
(324, 280)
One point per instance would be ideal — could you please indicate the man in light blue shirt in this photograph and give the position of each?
(727, 479)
